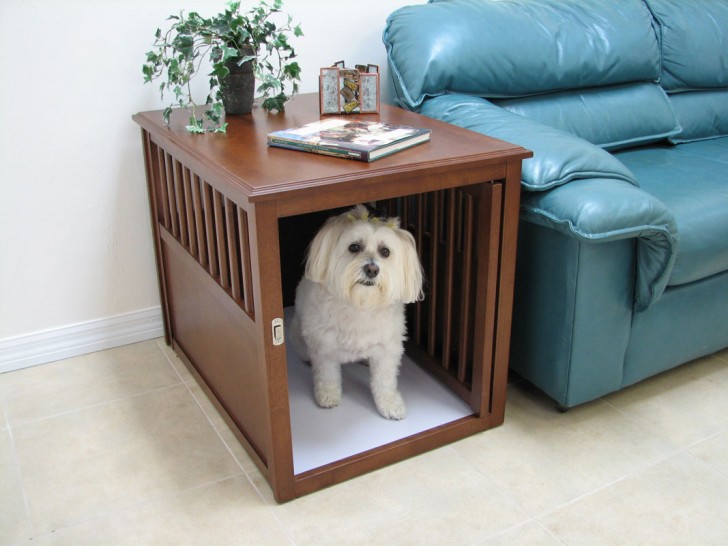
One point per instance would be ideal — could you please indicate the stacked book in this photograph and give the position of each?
(350, 139)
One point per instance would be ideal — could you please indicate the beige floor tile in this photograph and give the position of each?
(58, 387)
(531, 533)
(434, 498)
(227, 513)
(80, 464)
(713, 451)
(14, 520)
(723, 355)
(543, 458)
(175, 361)
(677, 502)
(686, 404)
(3, 417)
(219, 424)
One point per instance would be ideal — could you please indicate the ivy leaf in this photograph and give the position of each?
(293, 70)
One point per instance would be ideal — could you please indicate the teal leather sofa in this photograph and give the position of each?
(622, 266)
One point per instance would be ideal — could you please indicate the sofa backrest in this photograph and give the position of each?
(519, 47)
(538, 58)
(693, 39)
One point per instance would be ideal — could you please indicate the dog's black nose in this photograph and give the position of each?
(371, 270)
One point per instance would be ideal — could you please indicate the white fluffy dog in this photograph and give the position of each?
(360, 273)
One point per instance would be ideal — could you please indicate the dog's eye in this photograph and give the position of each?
(354, 248)
(384, 252)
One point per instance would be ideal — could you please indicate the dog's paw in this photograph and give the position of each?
(392, 406)
(327, 396)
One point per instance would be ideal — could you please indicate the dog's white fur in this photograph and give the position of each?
(344, 315)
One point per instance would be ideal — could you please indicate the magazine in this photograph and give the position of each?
(350, 139)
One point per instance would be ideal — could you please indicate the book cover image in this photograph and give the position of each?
(364, 140)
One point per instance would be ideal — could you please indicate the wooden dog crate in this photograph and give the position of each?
(231, 221)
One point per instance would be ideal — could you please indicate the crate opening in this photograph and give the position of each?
(433, 379)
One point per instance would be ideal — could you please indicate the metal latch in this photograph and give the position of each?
(277, 326)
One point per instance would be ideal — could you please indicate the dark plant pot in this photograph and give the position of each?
(238, 87)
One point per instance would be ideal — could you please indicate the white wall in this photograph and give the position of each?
(75, 243)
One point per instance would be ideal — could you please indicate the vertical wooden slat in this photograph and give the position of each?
(210, 242)
(163, 197)
(200, 236)
(190, 211)
(222, 253)
(231, 235)
(466, 282)
(450, 228)
(420, 236)
(433, 273)
(173, 225)
(180, 205)
(247, 274)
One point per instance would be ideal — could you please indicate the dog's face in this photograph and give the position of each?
(370, 262)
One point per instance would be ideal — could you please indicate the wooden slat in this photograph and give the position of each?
(180, 205)
(420, 237)
(200, 236)
(161, 188)
(173, 225)
(465, 291)
(222, 253)
(447, 311)
(247, 274)
(433, 272)
(231, 235)
(190, 211)
(210, 243)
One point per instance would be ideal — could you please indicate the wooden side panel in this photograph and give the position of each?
(220, 340)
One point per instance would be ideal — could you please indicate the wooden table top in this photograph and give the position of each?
(243, 157)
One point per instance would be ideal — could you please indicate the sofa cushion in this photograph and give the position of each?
(702, 115)
(714, 149)
(613, 117)
(559, 157)
(695, 189)
(474, 46)
(694, 43)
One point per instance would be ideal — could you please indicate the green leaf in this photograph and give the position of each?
(292, 70)
(219, 70)
(222, 128)
(195, 125)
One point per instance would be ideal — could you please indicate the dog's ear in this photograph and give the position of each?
(412, 276)
(321, 248)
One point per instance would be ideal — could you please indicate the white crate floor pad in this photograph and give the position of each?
(322, 436)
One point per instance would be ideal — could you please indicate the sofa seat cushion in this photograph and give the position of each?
(714, 149)
(694, 186)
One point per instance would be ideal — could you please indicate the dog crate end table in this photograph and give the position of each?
(231, 219)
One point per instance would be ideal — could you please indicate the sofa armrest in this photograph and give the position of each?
(576, 188)
(558, 157)
(601, 210)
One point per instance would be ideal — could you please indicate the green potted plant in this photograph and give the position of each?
(239, 46)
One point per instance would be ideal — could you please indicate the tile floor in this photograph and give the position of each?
(122, 447)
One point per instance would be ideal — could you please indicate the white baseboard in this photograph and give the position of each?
(78, 339)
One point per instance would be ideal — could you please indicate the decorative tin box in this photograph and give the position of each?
(349, 90)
